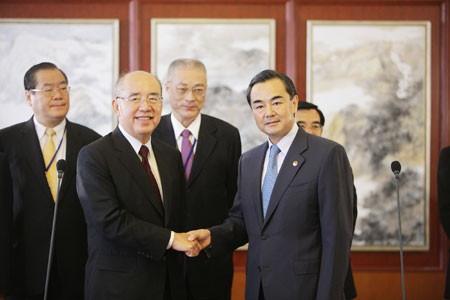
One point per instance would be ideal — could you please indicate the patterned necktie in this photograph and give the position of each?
(185, 150)
(48, 152)
(144, 153)
(271, 176)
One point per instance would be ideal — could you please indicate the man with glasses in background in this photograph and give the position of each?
(311, 119)
(131, 187)
(210, 150)
(32, 149)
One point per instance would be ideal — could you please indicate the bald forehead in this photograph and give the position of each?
(137, 78)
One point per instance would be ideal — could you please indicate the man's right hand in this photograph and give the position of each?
(203, 236)
(181, 243)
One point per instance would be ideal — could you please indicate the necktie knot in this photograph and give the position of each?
(186, 133)
(50, 132)
(144, 152)
(274, 150)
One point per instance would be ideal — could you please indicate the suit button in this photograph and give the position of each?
(264, 237)
(259, 268)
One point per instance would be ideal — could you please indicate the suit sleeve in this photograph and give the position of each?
(444, 189)
(104, 212)
(6, 217)
(232, 233)
(335, 198)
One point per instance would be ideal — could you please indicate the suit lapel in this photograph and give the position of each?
(255, 181)
(206, 142)
(32, 154)
(287, 172)
(126, 155)
(165, 175)
(165, 131)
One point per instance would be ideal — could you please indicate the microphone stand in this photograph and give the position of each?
(52, 237)
(400, 232)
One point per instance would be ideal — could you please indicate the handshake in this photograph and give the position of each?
(192, 242)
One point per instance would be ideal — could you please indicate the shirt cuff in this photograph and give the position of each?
(169, 245)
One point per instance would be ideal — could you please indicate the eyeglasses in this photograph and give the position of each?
(50, 91)
(137, 99)
(198, 91)
(313, 127)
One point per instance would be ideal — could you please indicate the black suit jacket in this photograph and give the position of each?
(128, 227)
(301, 249)
(6, 214)
(444, 202)
(33, 212)
(211, 188)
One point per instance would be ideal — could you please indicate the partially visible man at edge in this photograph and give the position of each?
(32, 149)
(311, 119)
(131, 188)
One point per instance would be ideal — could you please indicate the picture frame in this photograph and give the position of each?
(87, 50)
(371, 79)
(233, 51)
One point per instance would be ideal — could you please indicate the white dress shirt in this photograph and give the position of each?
(178, 128)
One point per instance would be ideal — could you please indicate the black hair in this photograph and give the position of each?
(266, 75)
(29, 80)
(308, 105)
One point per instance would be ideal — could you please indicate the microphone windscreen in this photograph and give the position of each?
(61, 165)
(395, 166)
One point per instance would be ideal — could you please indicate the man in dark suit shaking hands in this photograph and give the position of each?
(293, 204)
(131, 188)
(210, 149)
(32, 149)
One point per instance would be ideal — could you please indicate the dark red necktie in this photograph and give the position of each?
(144, 153)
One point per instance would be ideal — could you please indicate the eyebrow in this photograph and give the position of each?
(271, 99)
(52, 84)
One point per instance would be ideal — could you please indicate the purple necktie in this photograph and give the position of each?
(187, 152)
(144, 153)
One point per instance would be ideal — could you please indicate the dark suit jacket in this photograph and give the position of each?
(211, 188)
(33, 212)
(6, 213)
(301, 249)
(128, 227)
(349, 285)
(444, 202)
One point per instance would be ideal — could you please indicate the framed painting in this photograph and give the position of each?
(87, 50)
(233, 51)
(372, 82)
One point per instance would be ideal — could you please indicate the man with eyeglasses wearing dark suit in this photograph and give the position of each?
(131, 187)
(32, 149)
(210, 149)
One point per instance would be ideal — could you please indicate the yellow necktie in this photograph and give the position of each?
(48, 151)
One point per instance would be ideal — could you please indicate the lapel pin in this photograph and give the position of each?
(295, 163)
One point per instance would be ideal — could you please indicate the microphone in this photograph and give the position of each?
(60, 167)
(396, 167)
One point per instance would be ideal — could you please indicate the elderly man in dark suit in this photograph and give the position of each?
(214, 147)
(311, 119)
(444, 202)
(293, 204)
(131, 188)
(32, 149)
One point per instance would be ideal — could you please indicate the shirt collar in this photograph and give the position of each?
(40, 129)
(135, 143)
(285, 143)
(194, 128)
